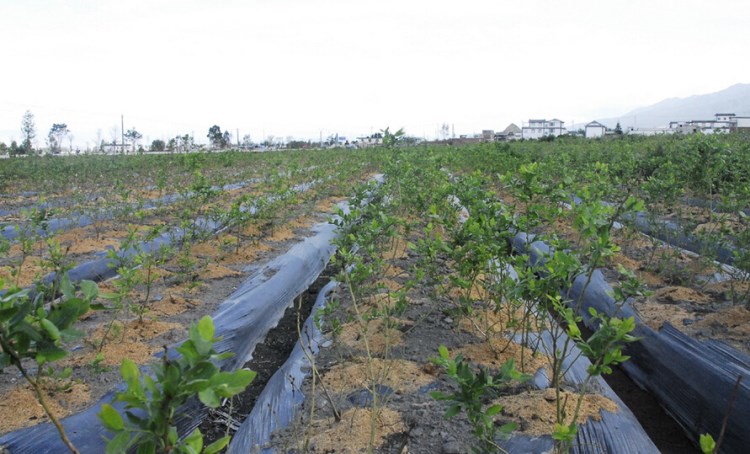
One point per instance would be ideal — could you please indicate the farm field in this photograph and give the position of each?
(447, 298)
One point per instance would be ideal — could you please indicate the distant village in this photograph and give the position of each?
(536, 129)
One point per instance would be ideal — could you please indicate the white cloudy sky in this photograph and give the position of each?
(299, 67)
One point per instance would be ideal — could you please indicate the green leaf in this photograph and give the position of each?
(227, 384)
(195, 386)
(188, 351)
(493, 410)
(51, 329)
(443, 351)
(111, 418)
(90, 289)
(217, 446)
(50, 354)
(209, 398)
(149, 383)
(708, 445)
(194, 441)
(452, 411)
(129, 371)
(66, 287)
(69, 334)
(147, 447)
(119, 444)
(206, 328)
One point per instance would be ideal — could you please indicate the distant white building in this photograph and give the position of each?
(648, 131)
(114, 148)
(370, 141)
(512, 132)
(594, 130)
(536, 129)
(721, 124)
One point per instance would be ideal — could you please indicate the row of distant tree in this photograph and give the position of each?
(59, 132)
(217, 138)
(55, 140)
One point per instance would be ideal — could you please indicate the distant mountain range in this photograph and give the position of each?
(735, 99)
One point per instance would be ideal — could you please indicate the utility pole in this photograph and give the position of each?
(122, 131)
(238, 137)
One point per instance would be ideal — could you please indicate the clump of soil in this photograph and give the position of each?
(281, 234)
(485, 321)
(352, 433)
(172, 305)
(535, 411)
(400, 375)
(30, 270)
(130, 340)
(676, 294)
(328, 205)
(20, 408)
(732, 324)
(380, 335)
(497, 352)
(654, 314)
(215, 271)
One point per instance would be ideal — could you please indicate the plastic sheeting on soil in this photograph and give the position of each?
(82, 219)
(103, 267)
(614, 433)
(673, 233)
(243, 320)
(693, 380)
(275, 407)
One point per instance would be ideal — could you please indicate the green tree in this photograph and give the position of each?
(216, 137)
(133, 136)
(390, 138)
(28, 131)
(618, 129)
(56, 136)
(158, 145)
(14, 150)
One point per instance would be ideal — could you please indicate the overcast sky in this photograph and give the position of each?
(302, 67)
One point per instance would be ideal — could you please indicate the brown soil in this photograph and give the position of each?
(130, 341)
(380, 336)
(654, 314)
(497, 352)
(351, 434)
(485, 321)
(403, 376)
(399, 251)
(281, 233)
(725, 289)
(676, 294)
(20, 407)
(534, 411)
(390, 285)
(30, 271)
(733, 323)
(172, 305)
(214, 271)
(394, 271)
(328, 205)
